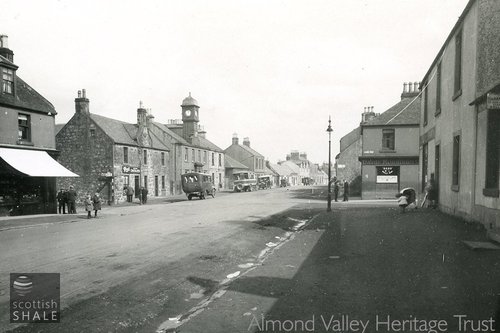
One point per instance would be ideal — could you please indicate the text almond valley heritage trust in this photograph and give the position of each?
(380, 323)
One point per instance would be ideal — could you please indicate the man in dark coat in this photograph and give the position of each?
(71, 200)
(96, 201)
(61, 200)
(144, 193)
(346, 190)
(335, 188)
(130, 193)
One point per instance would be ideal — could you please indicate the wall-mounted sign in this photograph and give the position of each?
(130, 169)
(106, 174)
(387, 174)
(341, 166)
(493, 101)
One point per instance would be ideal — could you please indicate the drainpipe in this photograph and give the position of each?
(473, 192)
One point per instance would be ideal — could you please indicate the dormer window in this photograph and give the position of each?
(7, 81)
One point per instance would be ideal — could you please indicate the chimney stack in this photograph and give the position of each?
(235, 139)
(82, 103)
(4, 48)
(246, 141)
(412, 91)
(142, 114)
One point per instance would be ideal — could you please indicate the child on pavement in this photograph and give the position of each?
(403, 202)
(88, 205)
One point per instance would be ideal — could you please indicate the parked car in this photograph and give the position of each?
(244, 181)
(264, 182)
(196, 184)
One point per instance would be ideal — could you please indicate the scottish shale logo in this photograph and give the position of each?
(35, 297)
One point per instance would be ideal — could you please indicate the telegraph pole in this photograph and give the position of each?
(329, 130)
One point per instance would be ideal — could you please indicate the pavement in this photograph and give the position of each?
(362, 266)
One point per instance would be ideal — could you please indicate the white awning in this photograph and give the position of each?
(35, 163)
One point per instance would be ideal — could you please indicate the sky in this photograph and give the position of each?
(270, 70)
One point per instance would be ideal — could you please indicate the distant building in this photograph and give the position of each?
(300, 159)
(318, 176)
(389, 159)
(232, 166)
(293, 177)
(460, 119)
(28, 170)
(246, 155)
(111, 155)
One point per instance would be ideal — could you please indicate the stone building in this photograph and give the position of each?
(190, 150)
(460, 117)
(300, 159)
(27, 147)
(232, 166)
(110, 155)
(389, 159)
(246, 155)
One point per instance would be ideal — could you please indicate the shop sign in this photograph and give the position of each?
(130, 169)
(493, 101)
(387, 174)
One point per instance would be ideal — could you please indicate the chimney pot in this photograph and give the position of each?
(79, 94)
(84, 95)
(410, 87)
(416, 86)
(404, 88)
(4, 41)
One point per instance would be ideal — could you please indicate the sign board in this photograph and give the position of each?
(387, 174)
(341, 166)
(493, 101)
(130, 169)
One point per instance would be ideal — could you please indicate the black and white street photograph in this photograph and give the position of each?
(265, 166)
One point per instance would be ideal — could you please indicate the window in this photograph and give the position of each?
(456, 163)
(125, 154)
(192, 154)
(458, 65)
(492, 153)
(145, 156)
(126, 181)
(162, 182)
(185, 154)
(146, 182)
(438, 89)
(8, 81)
(425, 163)
(388, 139)
(199, 155)
(24, 123)
(220, 160)
(205, 156)
(162, 158)
(213, 159)
(426, 93)
(92, 132)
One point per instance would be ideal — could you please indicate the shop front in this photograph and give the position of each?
(28, 182)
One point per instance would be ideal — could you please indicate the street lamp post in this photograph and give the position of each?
(329, 130)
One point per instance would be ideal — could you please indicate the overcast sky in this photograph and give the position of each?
(269, 70)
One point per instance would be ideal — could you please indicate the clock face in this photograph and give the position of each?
(187, 113)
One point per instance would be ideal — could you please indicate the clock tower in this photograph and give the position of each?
(190, 117)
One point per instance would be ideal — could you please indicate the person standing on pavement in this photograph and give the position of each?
(88, 205)
(61, 201)
(130, 193)
(431, 192)
(71, 200)
(335, 189)
(96, 201)
(346, 190)
(144, 192)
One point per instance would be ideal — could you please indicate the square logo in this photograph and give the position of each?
(35, 297)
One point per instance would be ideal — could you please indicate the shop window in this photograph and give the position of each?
(8, 81)
(456, 163)
(24, 123)
(493, 154)
(126, 181)
(162, 182)
(388, 139)
(125, 154)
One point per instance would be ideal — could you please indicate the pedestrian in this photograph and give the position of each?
(71, 200)
(335, 189)
(402, 202)
(431, 192)
(96, 201)
(65, 201)
(346, 190)
(61, 201)
(88, 205)
(144, 192)
(130, 193)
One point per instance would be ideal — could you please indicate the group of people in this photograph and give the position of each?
(336, 188)
(408, 196)
(66, 198)
(142, 193)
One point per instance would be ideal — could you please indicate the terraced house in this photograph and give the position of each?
(460, 118)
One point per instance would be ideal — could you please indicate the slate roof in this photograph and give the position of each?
(25, 96)
(405, 112)
(231, 163)
(58, 127)
(280, 170)
(124, 133)
(197, 142)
